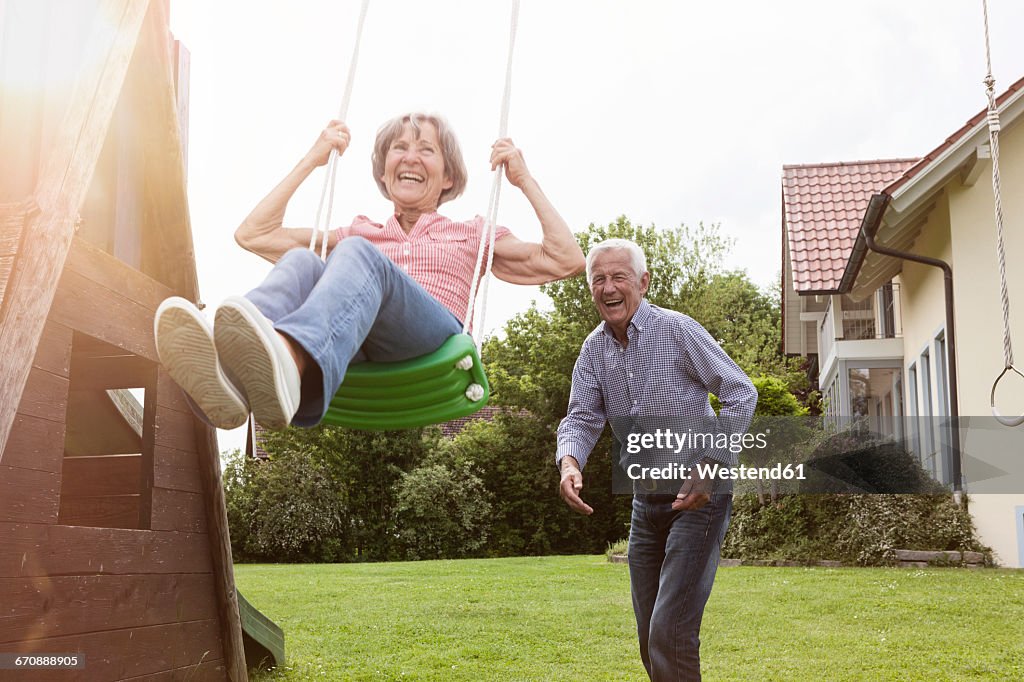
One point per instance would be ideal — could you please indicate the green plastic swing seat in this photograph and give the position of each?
(382, 396)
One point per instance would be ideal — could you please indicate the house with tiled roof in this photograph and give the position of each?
(845, 338)
(874, 326)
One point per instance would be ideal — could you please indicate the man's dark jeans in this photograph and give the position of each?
(673, 556)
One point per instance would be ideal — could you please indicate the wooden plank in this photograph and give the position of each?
(28, 496)
(91, 308)
(116, 371)
(127, 236)
(54, 351)
(169, 253)
(12, 225)
(176, 430)
(111, 273)
(44, 550)
(145, 479)
(99, 476)
(35, 443)
(176, 470)
(169, 394)
(120, 511)
(183, 68)
(220, 550)
(62, 187)
(173, 478)
(208, 671)
(178, 510)
(85, 346)
(132, 653)
(96, 214)
(78, 604)
(67, 605)
(175, 459)
(45, 396)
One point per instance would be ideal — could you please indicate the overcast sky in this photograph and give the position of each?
(666, 112)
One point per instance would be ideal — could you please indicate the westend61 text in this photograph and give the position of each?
(677, 441)
(707, 471)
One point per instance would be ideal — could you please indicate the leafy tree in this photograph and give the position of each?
(682, 262)
(514, 457)
(442, 512)
(290, 508)
(371, 464)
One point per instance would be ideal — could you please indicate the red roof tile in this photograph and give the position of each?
(822, 207)
(454, 427)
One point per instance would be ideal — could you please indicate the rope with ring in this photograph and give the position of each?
(993, 135)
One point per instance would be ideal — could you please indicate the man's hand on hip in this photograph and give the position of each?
(695, 493)
(570, 486)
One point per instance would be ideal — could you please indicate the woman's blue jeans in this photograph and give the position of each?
(673, 556)
(356, 306)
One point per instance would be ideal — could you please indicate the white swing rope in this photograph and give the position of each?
(490, 221)
(993, 135)
(332, 161)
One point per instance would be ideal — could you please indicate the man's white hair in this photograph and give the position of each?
(637, 257)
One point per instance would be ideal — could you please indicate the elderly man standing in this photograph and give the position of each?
(647, 361)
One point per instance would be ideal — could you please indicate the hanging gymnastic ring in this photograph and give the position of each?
(1005, 421)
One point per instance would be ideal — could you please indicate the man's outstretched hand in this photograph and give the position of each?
(571, 485)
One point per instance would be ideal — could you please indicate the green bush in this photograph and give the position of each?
(855, 529)
(289, 508)
(774, 398)
(442, 513)
(366, 468)
(514, 457)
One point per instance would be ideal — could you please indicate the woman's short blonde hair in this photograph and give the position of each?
(451, 153)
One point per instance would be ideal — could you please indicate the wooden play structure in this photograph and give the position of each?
(113, 530)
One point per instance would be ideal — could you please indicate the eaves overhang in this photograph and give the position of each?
(896, 214)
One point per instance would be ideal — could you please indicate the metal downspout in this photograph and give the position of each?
(872, 221)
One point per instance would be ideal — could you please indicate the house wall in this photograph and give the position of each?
(923, 292)
(979, 318)
(979, 312)
(961, 231)
(924, 315)
(794, 333)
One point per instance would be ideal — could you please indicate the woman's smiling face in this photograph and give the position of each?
(414, 172)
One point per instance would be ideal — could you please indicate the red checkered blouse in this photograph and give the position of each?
(439, 253)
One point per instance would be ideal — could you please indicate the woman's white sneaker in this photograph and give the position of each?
(258, 358)
(185, 346)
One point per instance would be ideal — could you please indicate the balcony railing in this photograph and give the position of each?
(877, 317)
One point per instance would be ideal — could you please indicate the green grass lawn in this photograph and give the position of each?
(570, 618)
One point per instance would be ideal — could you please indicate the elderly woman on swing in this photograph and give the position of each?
(387, 292)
